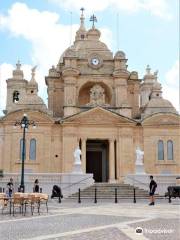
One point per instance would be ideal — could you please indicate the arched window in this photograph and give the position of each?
(160, 150)
(32, 150)
(15, 96)
(21, 149)
(170, 150)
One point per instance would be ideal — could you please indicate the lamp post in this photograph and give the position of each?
(24, 123)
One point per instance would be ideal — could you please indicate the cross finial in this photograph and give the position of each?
(82, 10)
(148, 69)
(18, 65)
(82, 18)
(93, 19)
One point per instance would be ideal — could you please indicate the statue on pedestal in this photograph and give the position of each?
(139, 156)
(77, 161)
(139, 167)
(77, 154)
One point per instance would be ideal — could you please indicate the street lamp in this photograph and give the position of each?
(24, 123)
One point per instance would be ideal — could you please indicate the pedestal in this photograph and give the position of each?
(77, 168)
(140, 169)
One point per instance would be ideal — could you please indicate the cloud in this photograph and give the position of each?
(158, 8)
(48, 37)
(5, 73)
(171, 86)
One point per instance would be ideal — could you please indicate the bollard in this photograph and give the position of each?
(79, 196)
(59, 198)
(40, 190)
(115, 200)
(169, 195)
(134, 195)
(95, 195)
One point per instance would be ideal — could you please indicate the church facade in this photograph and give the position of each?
(96, 103)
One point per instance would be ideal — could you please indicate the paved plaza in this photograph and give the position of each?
(88, 221)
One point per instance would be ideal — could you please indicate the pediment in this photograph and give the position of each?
(99, 116)
(36, 116)
(161, 119)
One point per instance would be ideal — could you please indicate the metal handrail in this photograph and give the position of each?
(76, 183)
(135, 180)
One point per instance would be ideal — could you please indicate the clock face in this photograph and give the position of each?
(95, 61)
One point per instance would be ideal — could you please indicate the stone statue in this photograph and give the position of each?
(77, 154)
(33, 72)
(97, 96)
(139, 156)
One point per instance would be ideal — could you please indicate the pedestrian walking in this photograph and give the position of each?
(152, 188)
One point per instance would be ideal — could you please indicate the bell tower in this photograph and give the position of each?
(16, 88)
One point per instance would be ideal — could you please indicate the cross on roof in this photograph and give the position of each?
(93, 19)
(82, 10)
(18, 65)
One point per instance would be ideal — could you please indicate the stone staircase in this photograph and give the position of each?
(107, 191)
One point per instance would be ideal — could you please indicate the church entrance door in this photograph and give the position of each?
(97, 159)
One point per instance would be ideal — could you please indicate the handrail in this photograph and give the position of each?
(76, 183)
(135, 180)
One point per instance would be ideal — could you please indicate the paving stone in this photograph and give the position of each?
(33, 227)
(105, 234)
(71, 221)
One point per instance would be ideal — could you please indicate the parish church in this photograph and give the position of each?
(97, 103)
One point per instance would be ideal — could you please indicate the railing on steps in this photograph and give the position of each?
(137, 181)
(96, 193)
(76, 183)
(72, 185)
(138, 184)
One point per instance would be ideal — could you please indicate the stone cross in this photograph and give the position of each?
(82, 10)
(93, 19)
(18, 65)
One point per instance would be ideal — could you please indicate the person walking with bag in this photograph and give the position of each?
(152, 187)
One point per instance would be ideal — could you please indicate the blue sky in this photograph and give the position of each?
(37, 32)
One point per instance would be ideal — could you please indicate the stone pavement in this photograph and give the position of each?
(102, 221)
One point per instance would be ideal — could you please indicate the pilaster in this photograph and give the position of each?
(111, 161)
(83, 159)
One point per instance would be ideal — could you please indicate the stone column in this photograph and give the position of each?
(83, 156)
(111, 161)
(119, 159)
(1, 149)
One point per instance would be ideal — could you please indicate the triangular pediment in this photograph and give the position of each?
(36, 116)
(161, 119)
(99, 116)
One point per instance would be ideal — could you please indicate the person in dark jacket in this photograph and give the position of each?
(56, 192)
(36, 186)
(152, 188)
(10, 187)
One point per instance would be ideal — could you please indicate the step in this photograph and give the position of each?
(107, 191)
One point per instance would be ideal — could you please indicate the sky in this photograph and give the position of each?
(38, 32)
